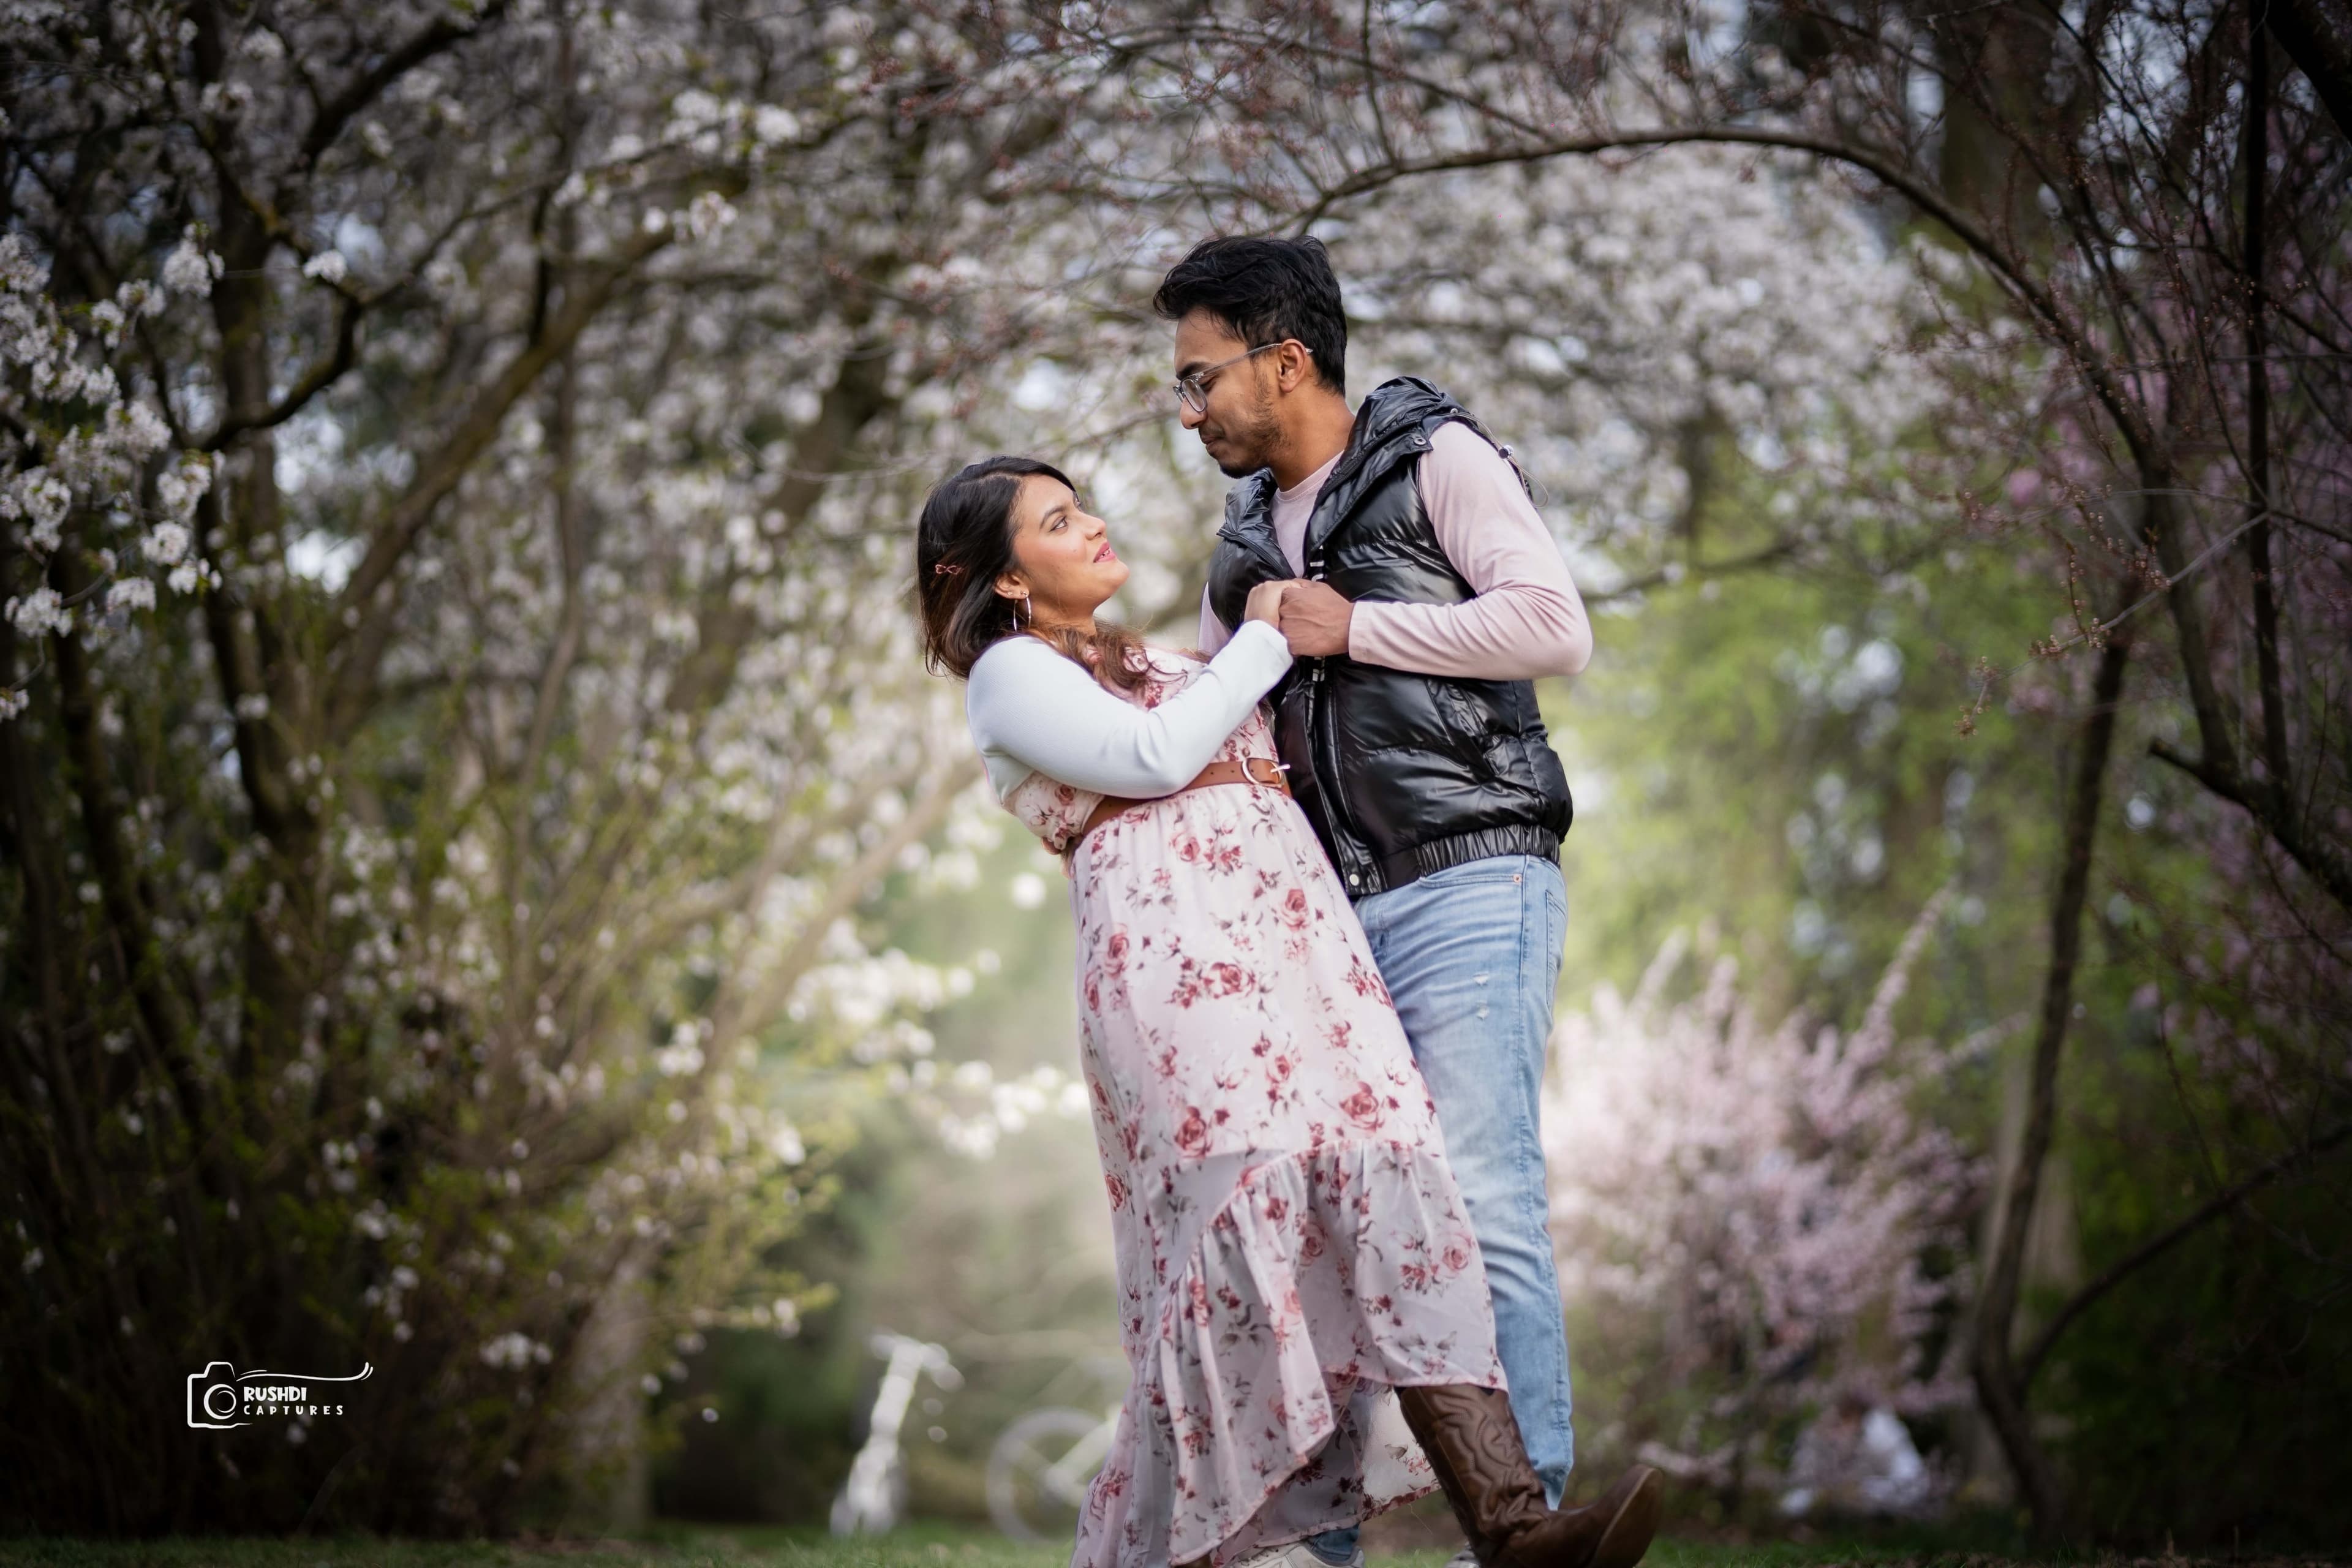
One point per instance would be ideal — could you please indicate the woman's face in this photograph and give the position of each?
(1062, 556)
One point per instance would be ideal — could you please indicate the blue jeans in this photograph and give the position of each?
(1471, 955)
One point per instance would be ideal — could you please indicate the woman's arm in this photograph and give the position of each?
(1031, 703)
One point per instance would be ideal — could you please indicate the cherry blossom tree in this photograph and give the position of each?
(1759, 1220)
(458, 464)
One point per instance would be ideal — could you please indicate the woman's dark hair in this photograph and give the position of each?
(1264, 290)
(963, 544)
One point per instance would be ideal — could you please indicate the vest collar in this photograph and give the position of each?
(1392, 425)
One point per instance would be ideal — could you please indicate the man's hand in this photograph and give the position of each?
(1314, 620)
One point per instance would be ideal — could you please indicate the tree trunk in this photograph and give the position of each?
(604, 1463)
(1998, 1389)
(2317, 36)
(2258, 433)
(1993, 60)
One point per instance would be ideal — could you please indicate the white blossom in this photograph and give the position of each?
(708, 214)
(140, 430)
(189, 269)
(39, 613)
(42, 499)
(140, 298)
(515, 1349)
(166, 543)
(180, 487)
(683, 1054)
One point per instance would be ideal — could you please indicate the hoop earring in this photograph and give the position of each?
(1017, 604)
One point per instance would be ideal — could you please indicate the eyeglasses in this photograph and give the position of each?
(1192, 389)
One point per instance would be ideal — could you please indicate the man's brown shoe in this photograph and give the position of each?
(1473, 1442)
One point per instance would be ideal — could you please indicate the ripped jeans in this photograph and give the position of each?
(1471, 955)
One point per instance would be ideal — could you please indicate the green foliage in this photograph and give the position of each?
(1737, 773)
(1780, 754)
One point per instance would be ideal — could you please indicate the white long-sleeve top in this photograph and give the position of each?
(1034, 711)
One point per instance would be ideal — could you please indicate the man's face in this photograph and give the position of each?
(1241, 427)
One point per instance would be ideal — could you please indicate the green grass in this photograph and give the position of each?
(921, 1546)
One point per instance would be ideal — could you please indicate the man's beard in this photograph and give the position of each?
(1257, 439)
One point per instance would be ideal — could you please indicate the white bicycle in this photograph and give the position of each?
(875, 1496)
(1039, 1469)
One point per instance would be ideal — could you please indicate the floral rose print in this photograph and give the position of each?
(1362, 1108)
(1192, 1134)
(1290, 1243)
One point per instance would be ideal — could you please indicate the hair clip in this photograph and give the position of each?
(941, 569)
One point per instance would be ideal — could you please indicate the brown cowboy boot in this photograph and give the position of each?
(1473, 1442)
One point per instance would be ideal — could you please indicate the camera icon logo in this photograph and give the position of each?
(213, 1399)
(220, 1396)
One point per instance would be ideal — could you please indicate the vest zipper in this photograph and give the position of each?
(1325, 728)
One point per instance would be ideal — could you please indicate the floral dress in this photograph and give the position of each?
(1290, 1243)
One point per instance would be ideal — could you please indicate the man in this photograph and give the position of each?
(1430, 595)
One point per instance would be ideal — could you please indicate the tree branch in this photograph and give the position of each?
(316, 380)
(859, 394)
(1772, 554)
(2161, 526)
(1884, 166)
(572, 556)
(163, 1012)
(2315, 855)
(439, 33)
(2156, 1246)
(362, 620)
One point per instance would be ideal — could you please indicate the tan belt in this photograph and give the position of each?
(1245, 771)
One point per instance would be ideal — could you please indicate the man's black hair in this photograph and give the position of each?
(1264, 290)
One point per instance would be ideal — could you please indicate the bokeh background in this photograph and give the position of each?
(489, 891)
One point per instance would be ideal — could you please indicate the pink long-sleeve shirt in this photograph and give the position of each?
(1526, 618)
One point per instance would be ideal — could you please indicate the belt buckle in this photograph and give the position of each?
(1249, 771)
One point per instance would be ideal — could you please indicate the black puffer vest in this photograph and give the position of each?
(1400, 773)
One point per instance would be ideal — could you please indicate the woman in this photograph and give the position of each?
(1294, 1263)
